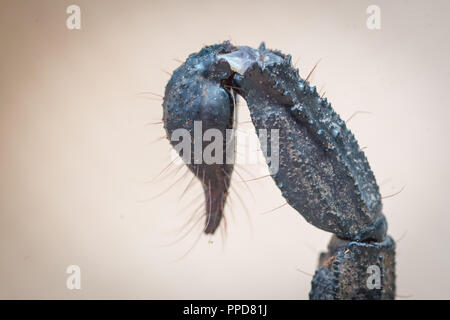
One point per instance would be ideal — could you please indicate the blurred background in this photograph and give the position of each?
(79, 153)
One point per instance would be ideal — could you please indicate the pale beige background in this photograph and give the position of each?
(76, 154)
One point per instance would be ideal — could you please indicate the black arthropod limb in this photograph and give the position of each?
(196, 101)
(322, 173)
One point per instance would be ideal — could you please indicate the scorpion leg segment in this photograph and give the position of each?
(355, 270)
(322, 171)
